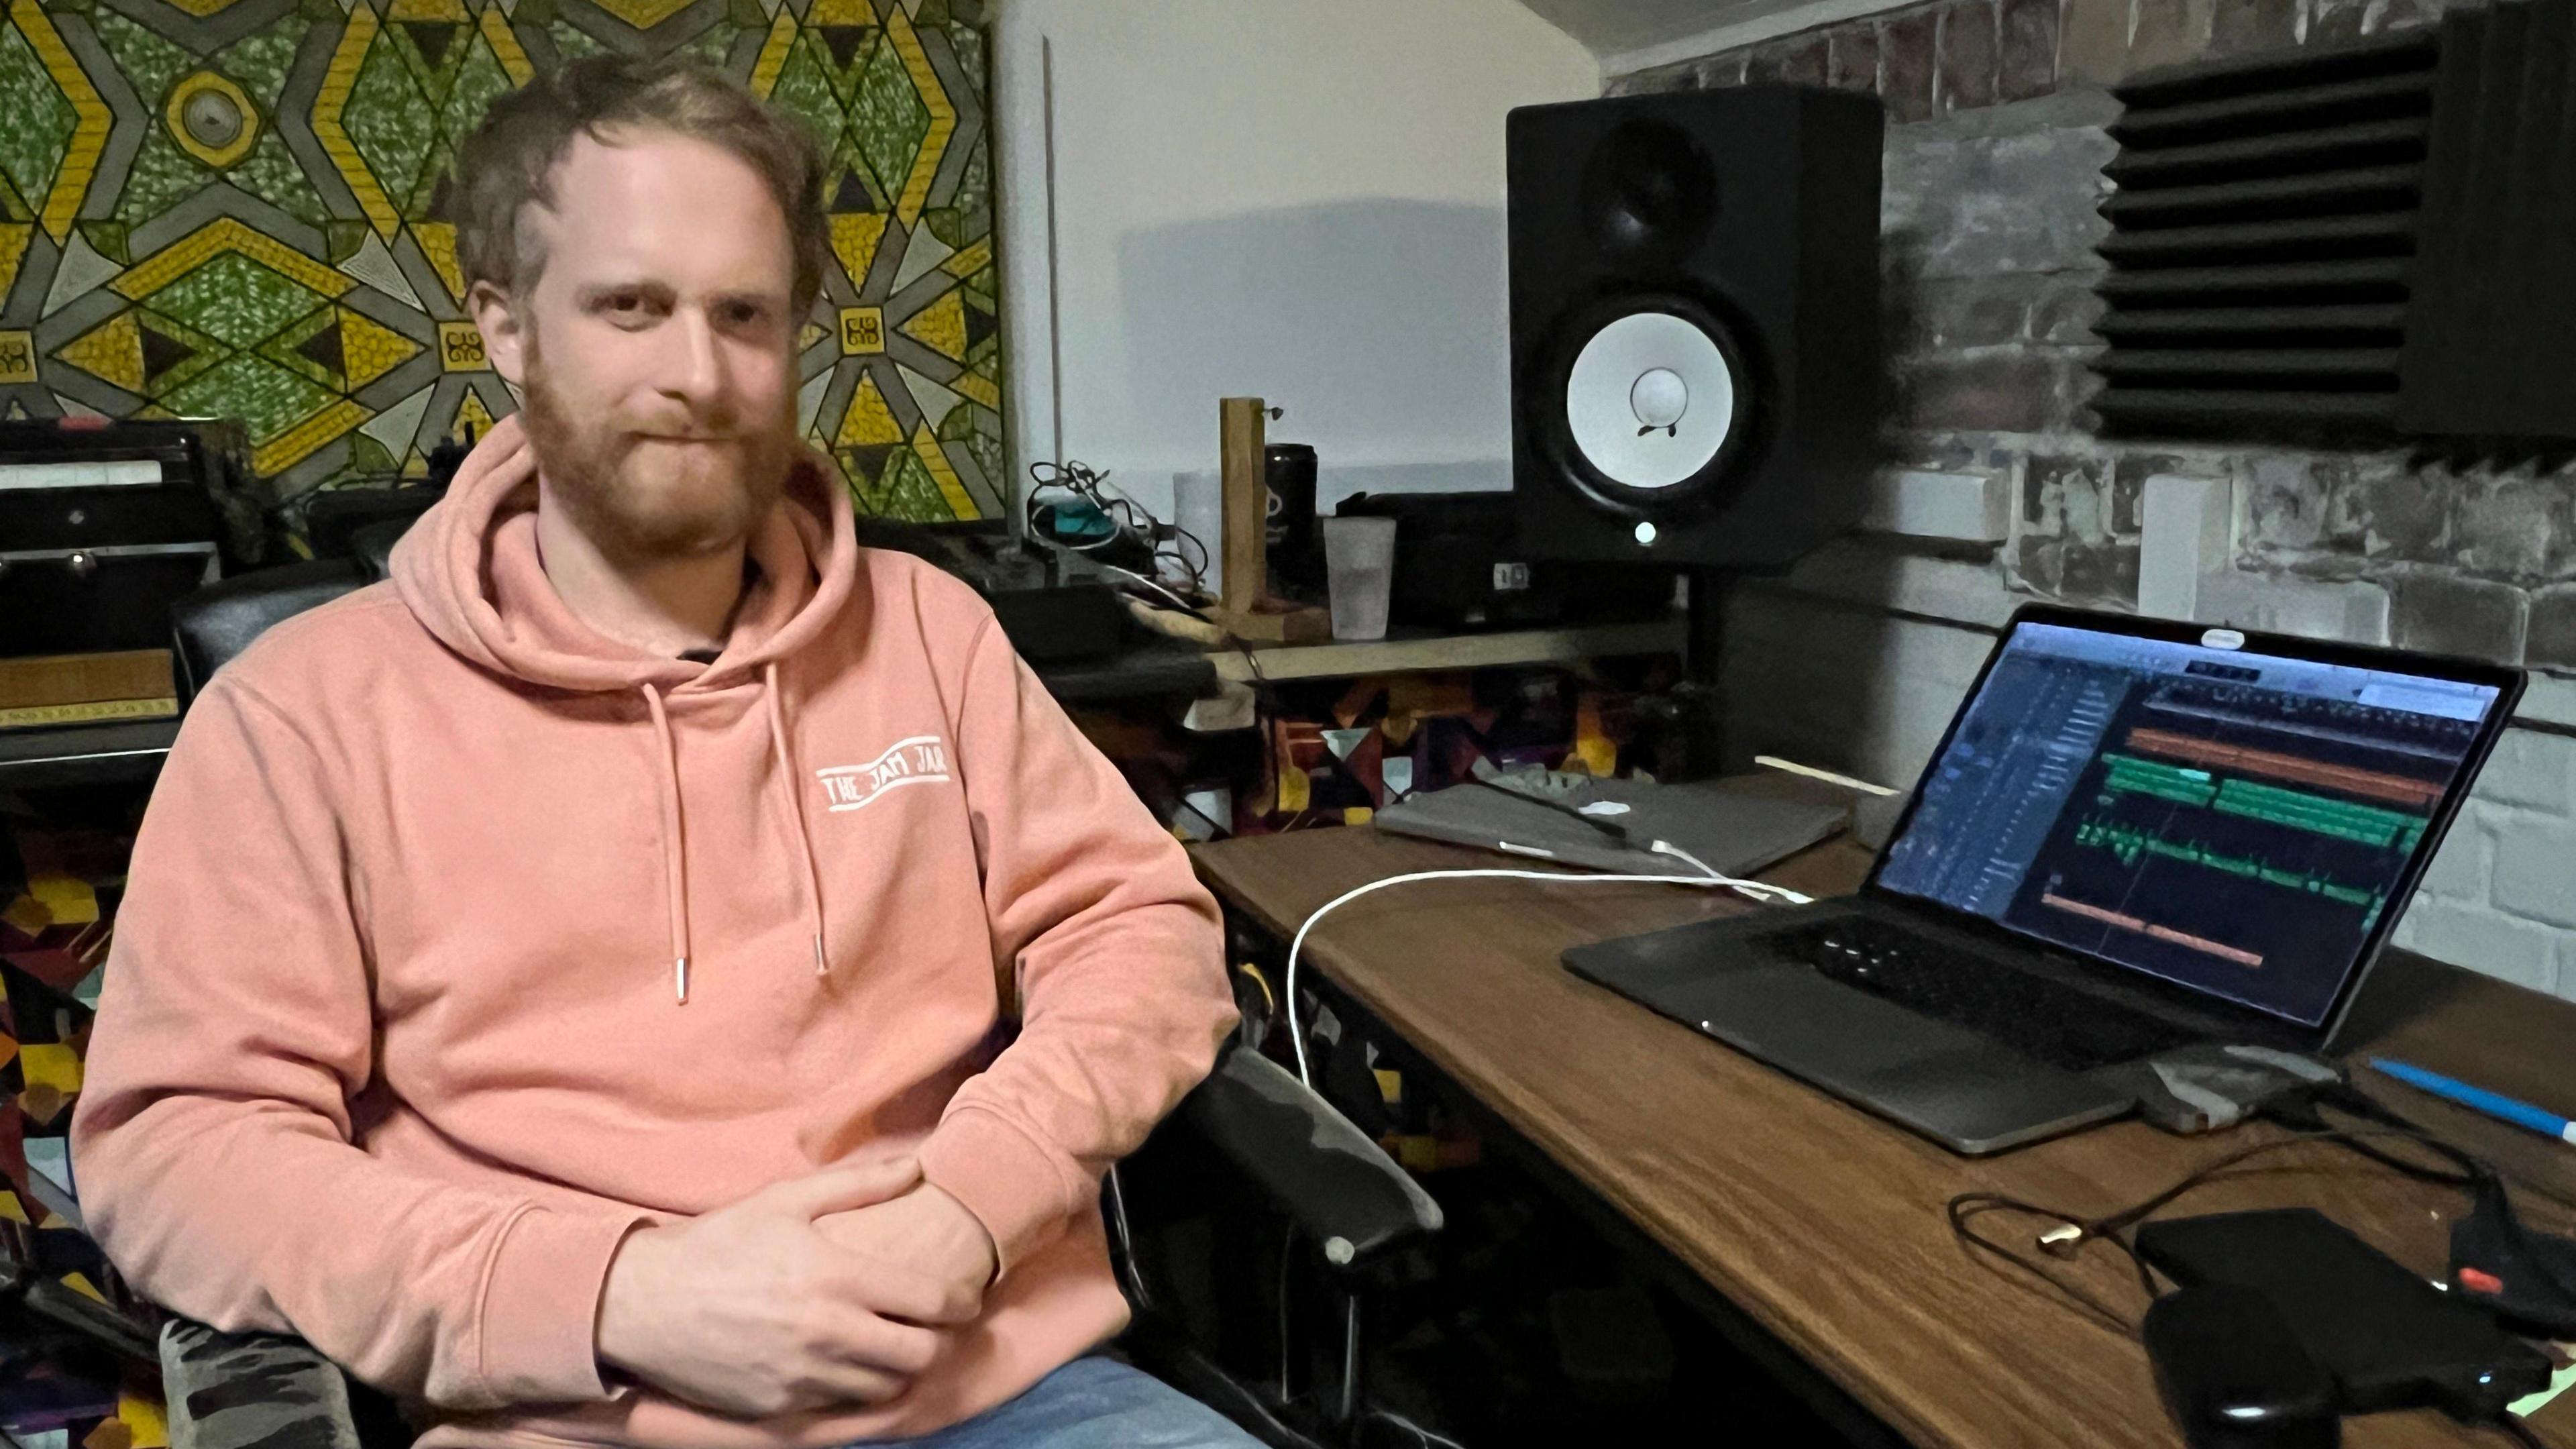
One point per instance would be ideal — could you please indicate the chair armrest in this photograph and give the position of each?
(1331, 1180)
(252, 1391)
(220, 620)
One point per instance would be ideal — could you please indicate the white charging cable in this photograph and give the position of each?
(1709, 879)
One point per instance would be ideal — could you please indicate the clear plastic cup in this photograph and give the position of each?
(1359, 570)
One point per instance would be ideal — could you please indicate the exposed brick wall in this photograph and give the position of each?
(1993, 174)
(1938, 59)
(1992, 179)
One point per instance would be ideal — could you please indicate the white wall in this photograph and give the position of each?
(1296, 199)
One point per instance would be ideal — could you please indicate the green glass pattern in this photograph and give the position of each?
(804, 91)
(269, 172)
(235, 299)
(388, 119)
(889, 118)
(36, 118)
(261, 60)
(354, 149)
(268, 397)
(479, 82)
(149, 63)
(163, 175)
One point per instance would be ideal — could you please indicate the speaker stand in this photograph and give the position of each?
(1703, 639)
(1683, 729)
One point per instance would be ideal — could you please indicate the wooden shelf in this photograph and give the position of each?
(132, 752)
(1450, 651)
(1144, 670)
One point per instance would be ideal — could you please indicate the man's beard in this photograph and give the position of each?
(639, 500)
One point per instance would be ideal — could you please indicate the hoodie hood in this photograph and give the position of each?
(471, 573)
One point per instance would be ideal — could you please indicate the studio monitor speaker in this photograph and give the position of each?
(1695, 327)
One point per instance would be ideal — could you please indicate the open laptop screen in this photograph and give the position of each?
(2235, 822)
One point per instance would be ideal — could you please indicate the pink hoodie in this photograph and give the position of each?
(394, 1052)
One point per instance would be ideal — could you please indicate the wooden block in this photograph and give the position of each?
(1242, 432)
(49, 679)
(1294, 624)
(97, 711)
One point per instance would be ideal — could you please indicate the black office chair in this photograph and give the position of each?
(218, 621)
(1251, 1132)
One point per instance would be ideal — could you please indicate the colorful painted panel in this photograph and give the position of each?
(240, 207)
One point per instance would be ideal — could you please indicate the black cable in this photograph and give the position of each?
(1422, 1438)
(1079, 479)
(2516, 1430)
(1127, 519)
(1609, 828)
(1964, 1209)
(2348, 1098)
(2131, 1216)
(2306, 1123)
(2485, 1181)
(1197, 571)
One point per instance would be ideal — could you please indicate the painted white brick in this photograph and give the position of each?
(2483, 940)
(2530, 769)
(2535, 872)
(1923, 503)
(2184, 525)
(2464, 868)
(2354, 611)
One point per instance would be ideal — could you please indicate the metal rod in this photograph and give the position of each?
(1055, 306)
(1350, 1392)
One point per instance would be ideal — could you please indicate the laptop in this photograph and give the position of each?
(2135, 836)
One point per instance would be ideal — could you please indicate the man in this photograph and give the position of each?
(567, 983)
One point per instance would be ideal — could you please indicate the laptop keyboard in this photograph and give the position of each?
(2034, 1016)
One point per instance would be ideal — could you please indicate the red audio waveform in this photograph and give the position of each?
(2402, 790)
(2243, 958)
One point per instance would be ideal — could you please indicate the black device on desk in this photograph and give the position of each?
(2135, 836)
(1460, 564)
(2235, 1375)
(103, 525)
(2386, 1337)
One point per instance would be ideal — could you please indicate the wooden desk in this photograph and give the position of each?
(1824, 1224)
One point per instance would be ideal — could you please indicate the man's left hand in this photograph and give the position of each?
(925, 1230)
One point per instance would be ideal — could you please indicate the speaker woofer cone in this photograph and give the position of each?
(1657, 403)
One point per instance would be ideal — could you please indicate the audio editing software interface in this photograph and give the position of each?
(2236, 823)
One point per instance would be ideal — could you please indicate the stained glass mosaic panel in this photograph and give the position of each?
(239, 207)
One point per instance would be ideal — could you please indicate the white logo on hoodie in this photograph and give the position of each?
(920, 760)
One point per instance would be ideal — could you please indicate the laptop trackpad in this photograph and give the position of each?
(1965, 1090)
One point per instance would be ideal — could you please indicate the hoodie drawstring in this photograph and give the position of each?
(675, 870)
(796, 813)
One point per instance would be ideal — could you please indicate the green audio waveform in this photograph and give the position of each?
(2342, 819)
(2133, 776)
(2128, 843)
(2271, 804)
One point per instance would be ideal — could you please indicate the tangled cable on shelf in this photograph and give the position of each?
(1055, 484)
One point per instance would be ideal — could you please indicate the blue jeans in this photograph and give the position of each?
(1092, 1403)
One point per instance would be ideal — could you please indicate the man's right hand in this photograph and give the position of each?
(750, 1311)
